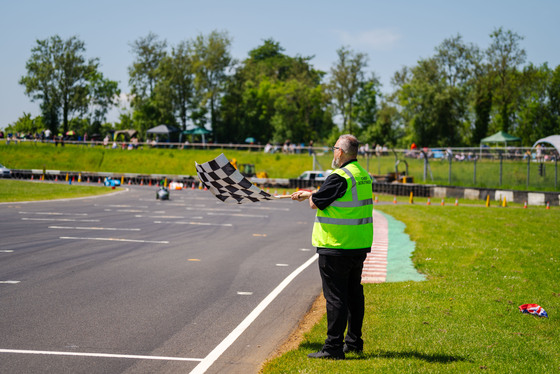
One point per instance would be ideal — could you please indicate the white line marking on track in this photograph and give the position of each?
(132, 211)
(232, 337)
(9, 282)
(105, 355)
(116, 240)
(216, 209)
(237, 215)
(91, 228)
(168, 217)
(60, 219)
(55, 214)
(269, 208)
(281, 265)
(124, 206)
(195, 223)
(6, 250)
(244, 293)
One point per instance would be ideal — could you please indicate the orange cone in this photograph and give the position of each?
(547, 205)
(525, 205)
(428, 202)
(456, 202)
(376, 199)
(394, 199)
(442, 202)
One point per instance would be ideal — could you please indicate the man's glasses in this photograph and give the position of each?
(333, 148)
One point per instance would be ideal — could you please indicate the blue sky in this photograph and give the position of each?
(392, 33)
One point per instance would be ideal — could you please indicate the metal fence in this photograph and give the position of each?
(515, 168)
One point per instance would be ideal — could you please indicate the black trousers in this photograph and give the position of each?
(341, 277)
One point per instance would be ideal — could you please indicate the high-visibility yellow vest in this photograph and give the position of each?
(348, 222)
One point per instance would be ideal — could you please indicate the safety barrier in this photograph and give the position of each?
(395, 189)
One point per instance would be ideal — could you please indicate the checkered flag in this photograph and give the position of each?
(227, 183)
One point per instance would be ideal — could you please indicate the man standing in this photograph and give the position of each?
(343, 235)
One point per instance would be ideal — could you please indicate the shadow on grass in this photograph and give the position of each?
(428, 357)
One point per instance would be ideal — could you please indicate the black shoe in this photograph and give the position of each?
(325, 354)
(348, 349)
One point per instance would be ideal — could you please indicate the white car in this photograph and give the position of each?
(5, 172)
(314, 175)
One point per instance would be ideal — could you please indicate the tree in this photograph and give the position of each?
(211, 59)
(103, 94)
(272, 96)
(59, 76)
(365, 107)
(346, 77)
(176, 85)
(385, 130)
(27, 125)
(538, 104)
(553, 100)
(149, 51)
(429, 108)
(504, 56)
(456, 60)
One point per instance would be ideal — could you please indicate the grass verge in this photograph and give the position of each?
(485, 173)
(15, 190)
(482, 263)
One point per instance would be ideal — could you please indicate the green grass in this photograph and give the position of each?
(482, 263)
(14, 190)
(147, 160)
(181, 162)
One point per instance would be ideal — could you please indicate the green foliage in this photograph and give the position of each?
(346, 80)
(211, 58)
(456, 97)
(59, 76)
(504, 56)
(27, 125)
(274, 97)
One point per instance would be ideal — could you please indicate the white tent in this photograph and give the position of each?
(162, 129)
(553, 140)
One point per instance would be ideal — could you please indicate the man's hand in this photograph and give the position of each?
(304, 195)
(301, 195)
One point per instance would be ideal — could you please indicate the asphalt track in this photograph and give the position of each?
(126, 283)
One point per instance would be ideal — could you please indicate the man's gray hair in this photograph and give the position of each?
(349, 144)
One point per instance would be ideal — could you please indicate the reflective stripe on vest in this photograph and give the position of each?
(344, 221)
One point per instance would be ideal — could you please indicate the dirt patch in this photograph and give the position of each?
(311, 318)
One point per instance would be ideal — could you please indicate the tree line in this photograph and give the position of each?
(456, 97)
